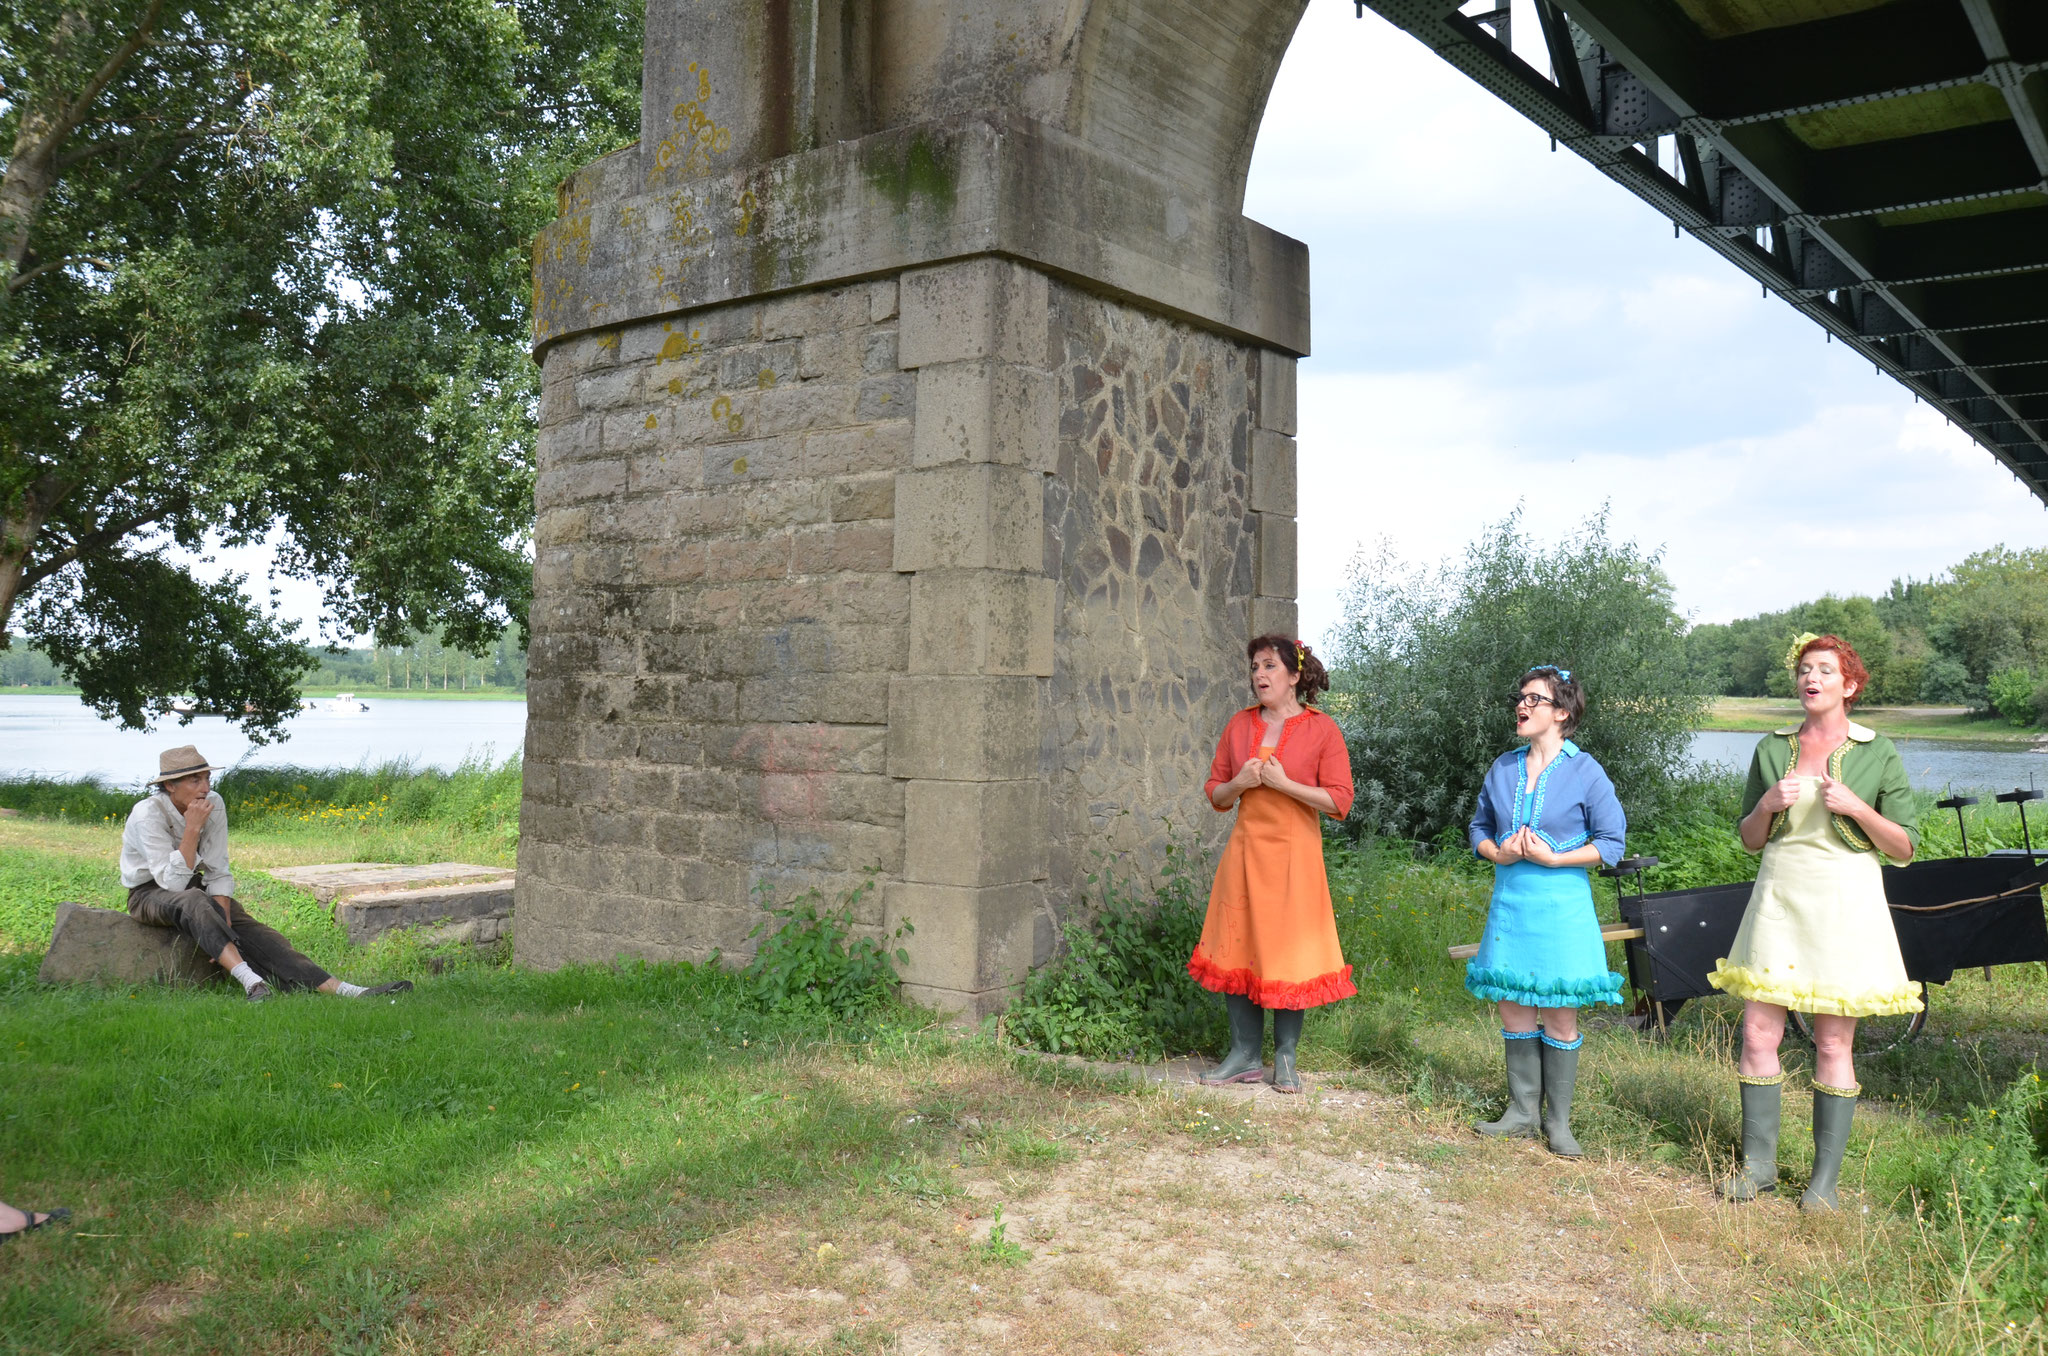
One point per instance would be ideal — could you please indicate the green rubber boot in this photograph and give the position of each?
(1761, 1104)
(1560, 1072)
(1286, 1035)
(1525, 1089)
(1833, 1110)
(1247, 1039)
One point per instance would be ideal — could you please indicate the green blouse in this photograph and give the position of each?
(1867, 761)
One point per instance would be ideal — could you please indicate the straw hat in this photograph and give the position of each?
(183, 761)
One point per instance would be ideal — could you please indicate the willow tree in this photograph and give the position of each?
(262, 273)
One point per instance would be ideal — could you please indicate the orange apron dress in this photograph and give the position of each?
(1271, 933)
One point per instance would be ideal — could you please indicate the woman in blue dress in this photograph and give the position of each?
(1546, 813)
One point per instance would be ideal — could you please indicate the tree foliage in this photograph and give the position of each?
(1938, 640)
(1426, 660)
(262, 270)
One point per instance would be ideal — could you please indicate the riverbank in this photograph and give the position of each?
(474, 694)
(1760, 715)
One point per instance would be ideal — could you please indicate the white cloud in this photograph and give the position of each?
(1842, 502)
(1496, 325)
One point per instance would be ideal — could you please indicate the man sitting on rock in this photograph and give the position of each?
(174, 861)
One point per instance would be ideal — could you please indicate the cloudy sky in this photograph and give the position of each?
(1496, 324)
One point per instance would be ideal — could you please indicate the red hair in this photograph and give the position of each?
(1853, 670)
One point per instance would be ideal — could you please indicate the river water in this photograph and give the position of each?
(1932, 764)
(61, 737)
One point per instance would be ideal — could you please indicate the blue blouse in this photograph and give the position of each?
(1573, 803)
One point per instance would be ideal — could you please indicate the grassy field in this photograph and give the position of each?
(642, 1159)
(1760, 715)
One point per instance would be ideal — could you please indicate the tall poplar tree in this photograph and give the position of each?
(263, 270)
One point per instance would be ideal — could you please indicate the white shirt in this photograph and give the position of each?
(149, 847)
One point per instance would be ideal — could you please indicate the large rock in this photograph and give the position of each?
(104, 946)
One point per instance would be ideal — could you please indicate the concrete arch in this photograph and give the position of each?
(916, 456)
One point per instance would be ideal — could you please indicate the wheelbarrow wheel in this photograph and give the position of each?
(1874, 1035)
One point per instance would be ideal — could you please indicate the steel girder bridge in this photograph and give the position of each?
(1882, 165)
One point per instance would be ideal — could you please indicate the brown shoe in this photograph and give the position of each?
(395, 986)
(259, 991)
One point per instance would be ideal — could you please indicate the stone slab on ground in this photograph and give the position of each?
(106, 946)
(345, 879)
(476, 912)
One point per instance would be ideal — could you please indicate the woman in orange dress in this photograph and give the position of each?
(1270, 940)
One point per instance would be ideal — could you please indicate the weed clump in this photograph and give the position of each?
(1119, 988)
(812, 963)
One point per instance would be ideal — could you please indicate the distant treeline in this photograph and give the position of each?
(1976, 636)
(425, 663)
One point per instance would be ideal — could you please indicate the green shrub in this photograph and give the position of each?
(811, 963)
(1399, 907)
(1693, 836)
(479, 796)
(87, 799)
(1120, 989)
(2012, 695)
(1426, 660)
(1988, 1199)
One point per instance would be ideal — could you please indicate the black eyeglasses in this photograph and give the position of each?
(1518, 699)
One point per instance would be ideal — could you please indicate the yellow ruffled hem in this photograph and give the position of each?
(1747, 984)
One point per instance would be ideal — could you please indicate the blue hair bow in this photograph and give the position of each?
(1565, 674)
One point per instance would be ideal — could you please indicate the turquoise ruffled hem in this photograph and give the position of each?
(1534, 991)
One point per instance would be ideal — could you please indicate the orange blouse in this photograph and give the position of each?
(1311, 751)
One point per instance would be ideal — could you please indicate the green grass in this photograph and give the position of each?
(317, 1161)
(65, 842)
(321, 1175)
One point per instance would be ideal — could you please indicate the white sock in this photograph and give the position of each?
(348, 990)
(250, 979)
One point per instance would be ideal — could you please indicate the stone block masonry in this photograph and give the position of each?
(962, 626)
(717, 623)
(916, 457)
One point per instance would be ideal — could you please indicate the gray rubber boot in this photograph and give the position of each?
(1762, 1104)
(1832, 1113)
(1525, 1091)
(1560, 1072)
(1243, 1063)
(1286, 1035)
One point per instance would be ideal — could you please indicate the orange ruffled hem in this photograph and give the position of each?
(1271, 993)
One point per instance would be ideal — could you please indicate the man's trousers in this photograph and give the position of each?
(194, 913)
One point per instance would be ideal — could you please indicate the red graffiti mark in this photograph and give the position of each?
(797, 762)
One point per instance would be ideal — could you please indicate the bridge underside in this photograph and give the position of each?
(1882, 165)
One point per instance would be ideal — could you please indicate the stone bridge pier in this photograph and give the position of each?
(916, 457)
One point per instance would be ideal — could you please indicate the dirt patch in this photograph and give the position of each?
(1162, 1218)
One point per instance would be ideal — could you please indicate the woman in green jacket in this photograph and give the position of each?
(1826, 799)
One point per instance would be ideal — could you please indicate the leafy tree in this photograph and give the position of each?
(262, 269)
(1994, 615)
(1426, 660)
(1855, 620)
(2012, 695)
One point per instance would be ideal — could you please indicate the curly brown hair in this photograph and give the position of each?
(1564, 690)
(1296, 658)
